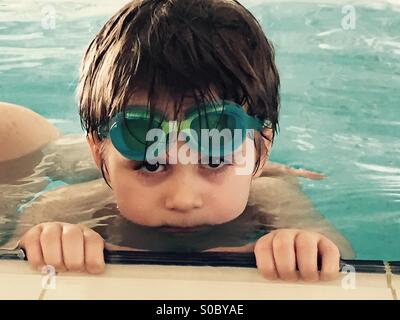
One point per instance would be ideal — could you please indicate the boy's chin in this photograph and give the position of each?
(179, 229)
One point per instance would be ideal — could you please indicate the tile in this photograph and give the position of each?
(364, 280)
(19, 281)
(16, 267)
(19, 286)
(396, 281)
(226, 274)
(83, 287)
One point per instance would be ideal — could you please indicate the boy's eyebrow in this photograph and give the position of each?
(160, 106)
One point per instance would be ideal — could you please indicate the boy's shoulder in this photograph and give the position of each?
(271, 186)
(23, 131)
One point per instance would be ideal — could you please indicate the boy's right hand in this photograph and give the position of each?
(66, 247)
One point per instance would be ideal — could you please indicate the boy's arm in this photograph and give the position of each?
(11, 197)
(69, 159)
(74, 204)
(275, 169)
(281, 199)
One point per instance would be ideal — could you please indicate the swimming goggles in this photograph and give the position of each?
(128, 129)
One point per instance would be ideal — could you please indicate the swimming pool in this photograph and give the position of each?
(340, 97)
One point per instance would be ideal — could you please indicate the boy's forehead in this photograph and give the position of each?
(162, 101)
(157, 101)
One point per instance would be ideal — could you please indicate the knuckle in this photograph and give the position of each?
(92, 236)
(30, 235)
(279, 241)
(331, 249)
(262, 244)
(71, 228)
(304, 242)
(71, 232)
(28, 238)
(50, 233)
(48, 237)
(288, 232)
(51, 225)
(284, 234)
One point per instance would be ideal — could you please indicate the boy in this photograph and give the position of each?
(176, 57)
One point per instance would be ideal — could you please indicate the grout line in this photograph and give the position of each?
(41, 295)
(43, 291)
(389, 280)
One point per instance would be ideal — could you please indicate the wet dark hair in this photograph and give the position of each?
(185, 47)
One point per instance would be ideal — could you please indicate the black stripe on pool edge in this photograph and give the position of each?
(213, 259)
(218, 259)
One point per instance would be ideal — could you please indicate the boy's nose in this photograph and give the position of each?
(183, 196)
(183, 203)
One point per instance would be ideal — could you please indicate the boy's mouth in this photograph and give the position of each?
(179, 229)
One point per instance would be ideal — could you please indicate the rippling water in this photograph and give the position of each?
(340, 98)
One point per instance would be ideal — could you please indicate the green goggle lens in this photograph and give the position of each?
(128, 130)
(136, 128)
(222, 123)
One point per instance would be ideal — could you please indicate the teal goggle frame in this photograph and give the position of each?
(127, 129)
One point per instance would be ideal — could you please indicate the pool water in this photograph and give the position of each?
(340, 98)
(50, 186)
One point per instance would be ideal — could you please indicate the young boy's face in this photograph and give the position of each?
(175, 195)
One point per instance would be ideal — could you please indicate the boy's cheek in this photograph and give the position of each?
(233, 204)
(135, 213)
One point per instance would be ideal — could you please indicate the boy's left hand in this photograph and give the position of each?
(291, 254)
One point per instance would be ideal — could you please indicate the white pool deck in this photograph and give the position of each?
(19, 281)
(142, 282)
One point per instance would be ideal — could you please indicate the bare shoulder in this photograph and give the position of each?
(22, 131)
(274, 189)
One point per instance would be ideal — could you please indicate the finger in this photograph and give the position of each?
(265, 257)
(72, 247)
(50, 241)
(330, 257)
(307, 256)
(94, 251)
(114, 247)
(30, 242)
(284, 255)
(311, 175)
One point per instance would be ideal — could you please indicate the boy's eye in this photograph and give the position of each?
(214, 164)
(150, 167)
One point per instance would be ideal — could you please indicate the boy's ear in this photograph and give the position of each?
(94, 145)
(265, 148)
